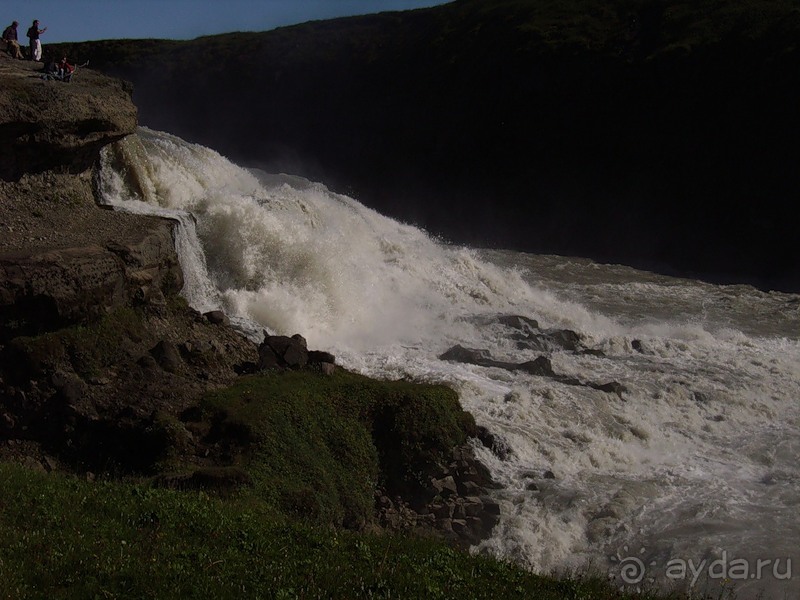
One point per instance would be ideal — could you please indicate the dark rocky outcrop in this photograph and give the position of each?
(494, 442)
(453, 501)
(284, 352)
(539, 366)
(52, 288)
(97, 352)
(529, 337)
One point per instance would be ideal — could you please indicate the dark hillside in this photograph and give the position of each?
(656, 133)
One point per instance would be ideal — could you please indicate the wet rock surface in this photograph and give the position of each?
(530, 338)
(454, 501)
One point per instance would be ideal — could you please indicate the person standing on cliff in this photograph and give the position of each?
(36, 45)
(10, 37)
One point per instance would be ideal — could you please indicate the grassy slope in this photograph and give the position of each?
(62, 538)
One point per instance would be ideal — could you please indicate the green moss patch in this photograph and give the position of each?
(87, 349)
(318, 446)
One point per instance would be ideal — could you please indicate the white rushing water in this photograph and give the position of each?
(690, 475)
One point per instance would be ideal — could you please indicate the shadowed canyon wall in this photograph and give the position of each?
(657, 134)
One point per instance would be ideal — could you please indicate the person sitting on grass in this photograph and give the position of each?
(65, 70)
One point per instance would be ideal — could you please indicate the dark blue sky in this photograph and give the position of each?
(81, 20)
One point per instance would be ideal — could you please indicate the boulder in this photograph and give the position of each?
(217, 317)
(280, 351)
(495, 443)
(445, 486)
(518, 322)
(612, 387)
(541, 366)
(482, 358)
(318, 356)
(167, 356)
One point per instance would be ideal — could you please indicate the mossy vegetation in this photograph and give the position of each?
(317, 447)
(88, 349)
(306, 456)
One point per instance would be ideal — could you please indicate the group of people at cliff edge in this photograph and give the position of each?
(61, 70)
(12, 41)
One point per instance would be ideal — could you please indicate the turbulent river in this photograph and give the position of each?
(688, 477)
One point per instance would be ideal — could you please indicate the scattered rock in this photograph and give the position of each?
(33, 464)
(541, 366)
(519, 322)
(147, 362)
(612, 387)
(167, 356)
(461, 354)
(446, 486)
(495, 443)
(246, 368)
(217, 317)
(7, 423)
(327, 368)
(283, 351)
(482, 358)
(452, 507)
(69, 386)
(318, 356)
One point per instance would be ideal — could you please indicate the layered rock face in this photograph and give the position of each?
(63, 260)
(56, 287)
(46, 125)
(88, 297)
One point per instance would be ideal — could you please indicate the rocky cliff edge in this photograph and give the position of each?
(104, 368)
(46, 125)
(88, 296)
(64, 260)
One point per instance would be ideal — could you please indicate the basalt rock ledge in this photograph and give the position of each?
(47, 125)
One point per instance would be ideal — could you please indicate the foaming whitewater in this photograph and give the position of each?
(689, 476)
